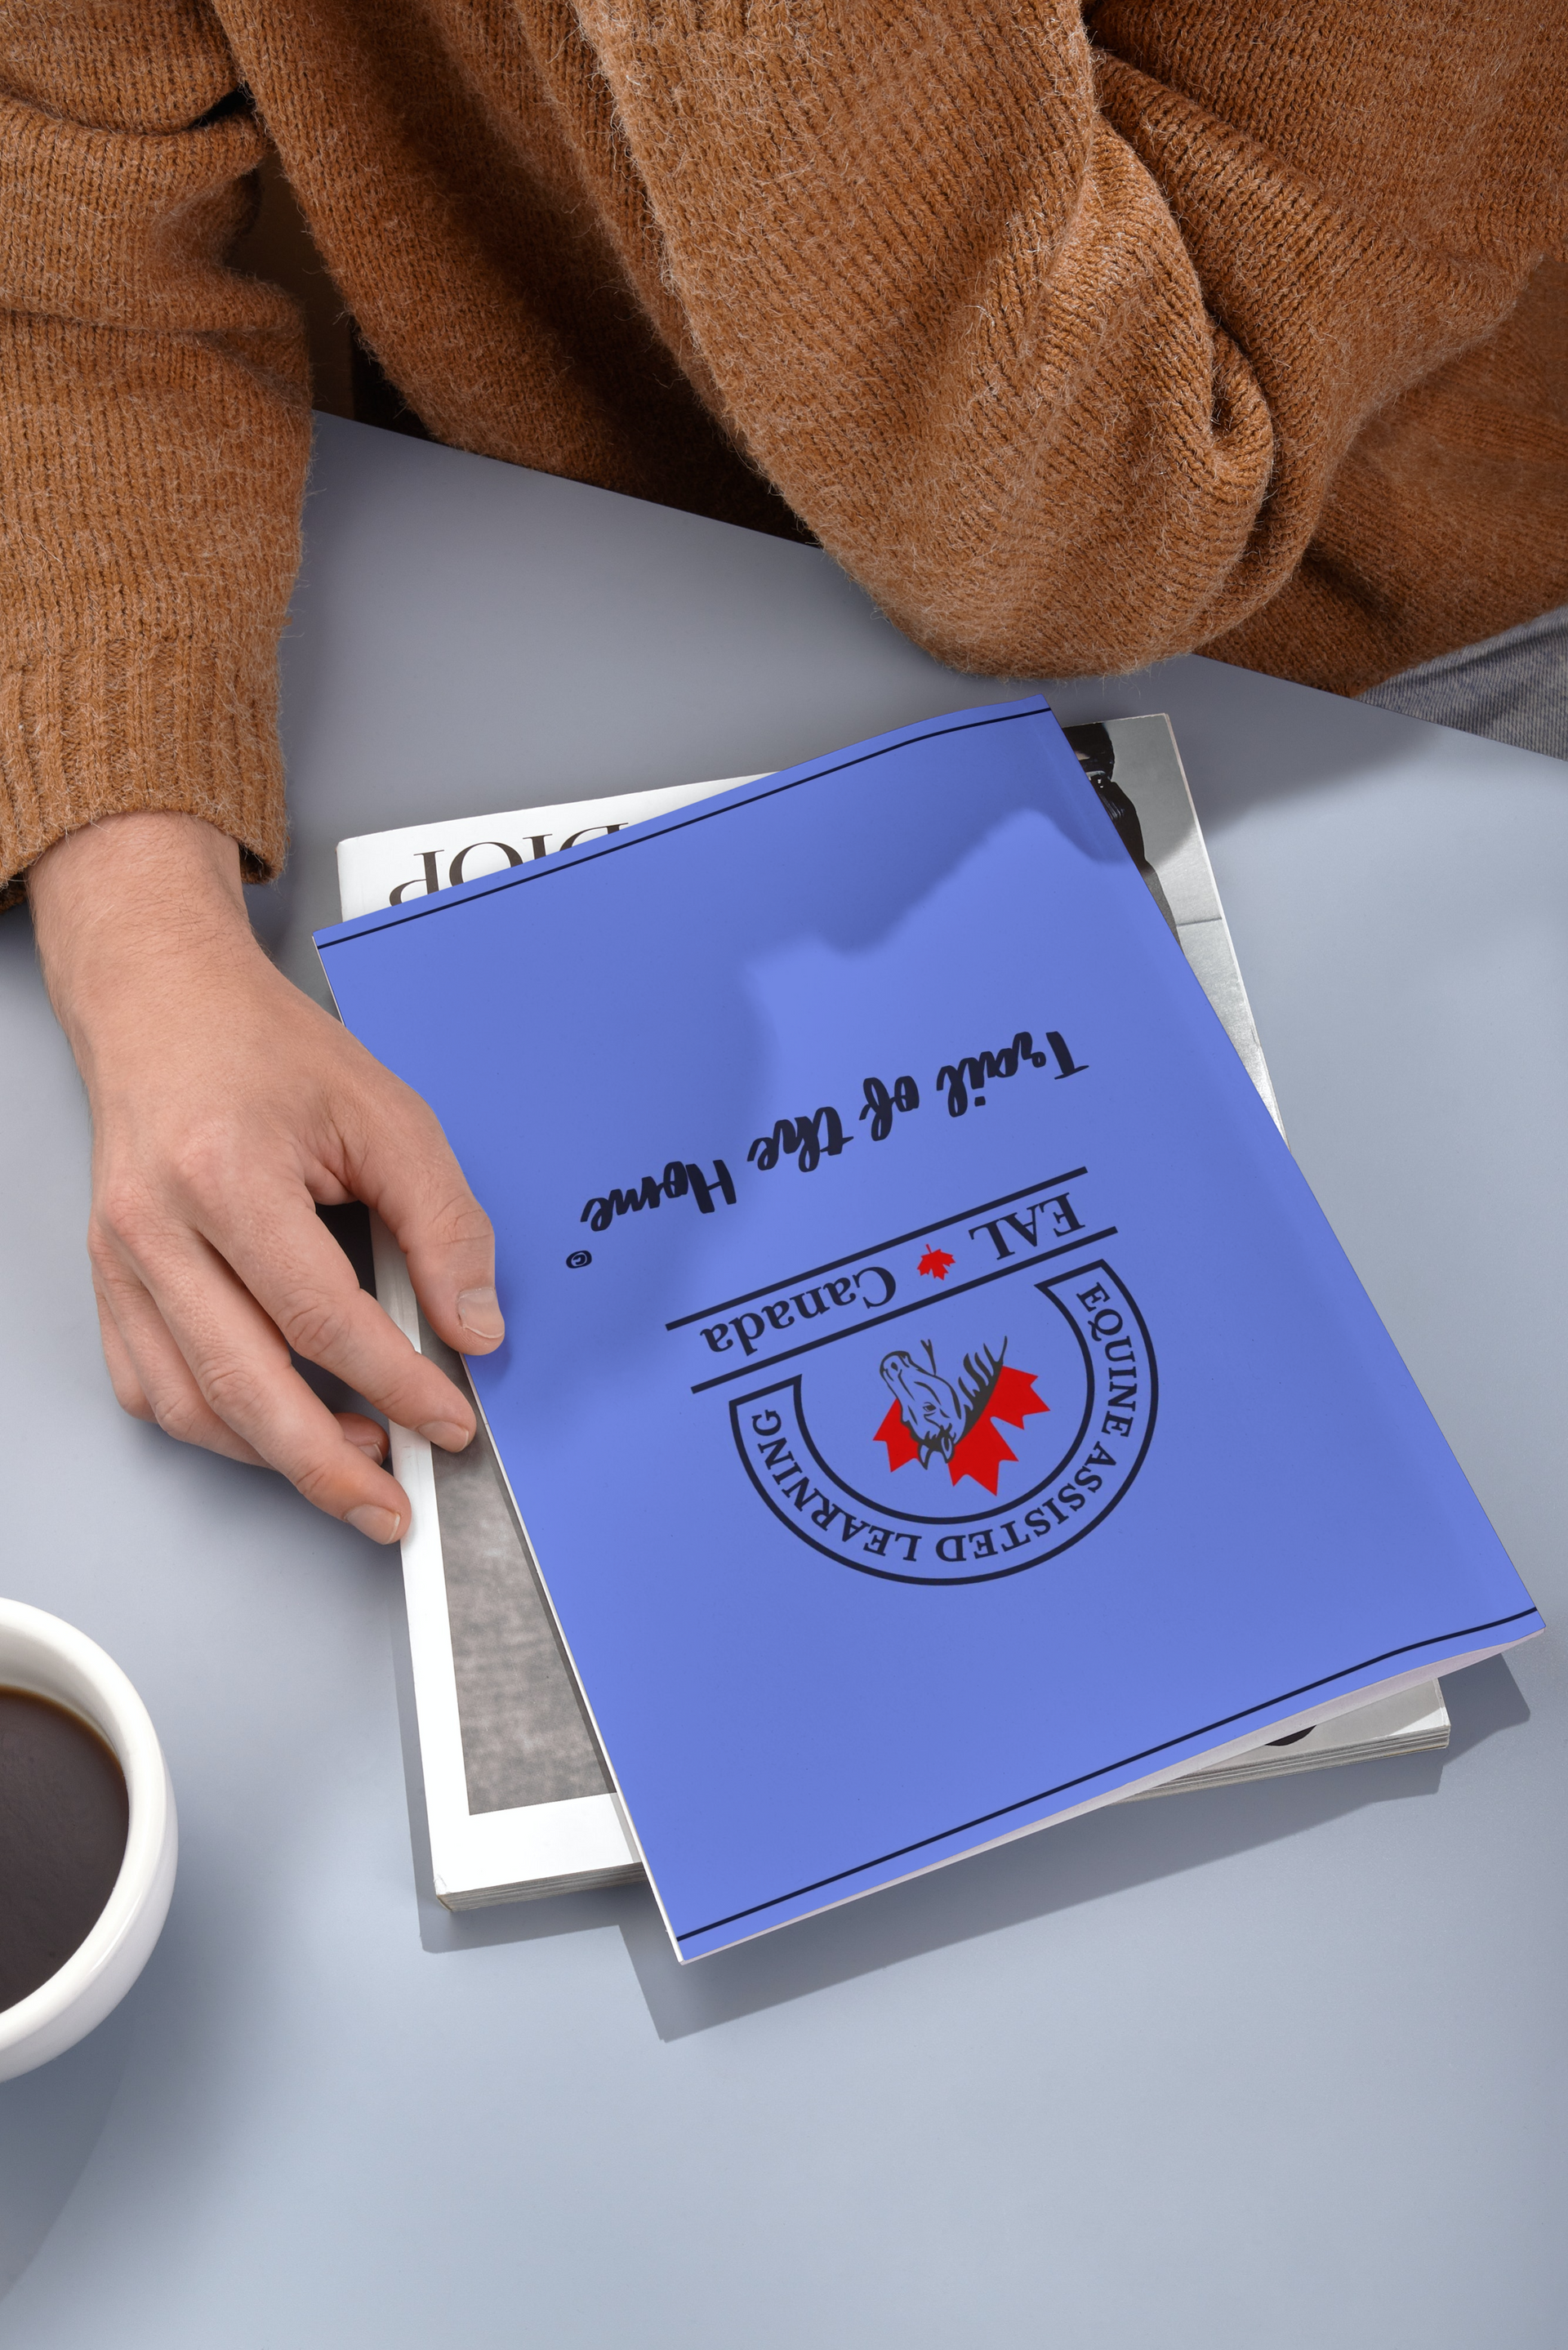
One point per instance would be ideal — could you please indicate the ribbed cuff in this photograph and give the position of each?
(174, 726)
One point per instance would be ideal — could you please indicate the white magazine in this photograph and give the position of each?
(516, 1792)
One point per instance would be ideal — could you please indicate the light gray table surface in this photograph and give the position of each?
(1279, 2065)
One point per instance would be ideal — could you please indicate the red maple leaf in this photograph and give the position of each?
(937, 1262)
(981, 1452)
(894, 1434)
(1012, 1398)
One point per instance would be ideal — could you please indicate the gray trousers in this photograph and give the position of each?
(1513, 687)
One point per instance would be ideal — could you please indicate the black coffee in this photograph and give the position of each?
(64, 1813)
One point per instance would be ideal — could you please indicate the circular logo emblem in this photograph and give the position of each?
(970, 1434)
(956, 1403)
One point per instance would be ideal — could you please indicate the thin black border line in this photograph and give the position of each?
(1465, 1632)
(915, 1305)
(540, 867)
(875, 1249)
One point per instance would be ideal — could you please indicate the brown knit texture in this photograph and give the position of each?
(1079, 337)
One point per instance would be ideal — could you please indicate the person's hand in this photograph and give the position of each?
(224, 1106)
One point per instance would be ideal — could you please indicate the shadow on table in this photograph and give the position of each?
(1101, 1852)
(1242, 744)
(50, 2121)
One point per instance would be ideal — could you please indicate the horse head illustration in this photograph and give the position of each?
(931, 1406)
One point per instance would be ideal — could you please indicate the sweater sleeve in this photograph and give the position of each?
(154, 433)
(1056, 356)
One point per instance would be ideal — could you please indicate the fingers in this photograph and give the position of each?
(214, 1371)
(367, 1435)
(150, 1378)
(300, 1277)
(128, 1392)
(408, 1173)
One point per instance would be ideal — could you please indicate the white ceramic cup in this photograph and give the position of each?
(51, 1659)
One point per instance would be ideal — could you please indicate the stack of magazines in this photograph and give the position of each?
(521, 1797)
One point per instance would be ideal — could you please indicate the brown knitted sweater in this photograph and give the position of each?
(1080, 337)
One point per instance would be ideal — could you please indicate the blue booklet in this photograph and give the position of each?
(933, 1397)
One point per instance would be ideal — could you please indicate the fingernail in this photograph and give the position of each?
(375, 1452)
(381, 1525)
(479, 1311)
(447, 1433)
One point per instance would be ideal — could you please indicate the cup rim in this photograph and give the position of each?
(49, 1657)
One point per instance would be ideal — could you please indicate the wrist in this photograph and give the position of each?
(147, 901)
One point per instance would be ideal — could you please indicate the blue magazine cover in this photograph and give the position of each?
(932, 1396)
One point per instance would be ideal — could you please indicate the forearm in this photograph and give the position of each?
(154, 433)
